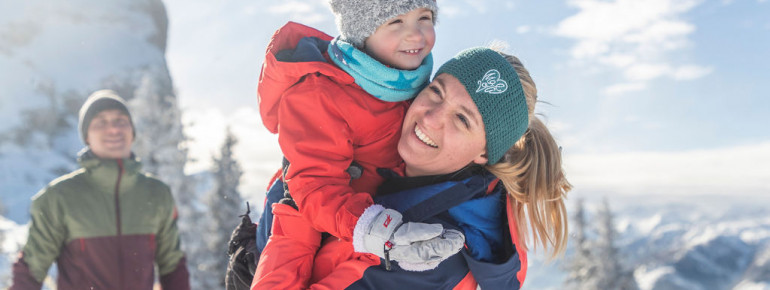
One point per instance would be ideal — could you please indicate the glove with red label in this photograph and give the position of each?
(415, 246)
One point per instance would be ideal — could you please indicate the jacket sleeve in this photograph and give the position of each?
(315, 136)
(287, 260)
(172, 265)
(22, 277)
(46, 237)
(495, 276)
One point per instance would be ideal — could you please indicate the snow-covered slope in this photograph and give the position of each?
(685, 242)
(53, 54)
(703, 244)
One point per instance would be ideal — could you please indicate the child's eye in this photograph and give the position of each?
(396, 21)
(426, 17)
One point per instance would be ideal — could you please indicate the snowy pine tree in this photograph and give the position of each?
(611, 272)
(159, 145)
(225, 205)
(581, 266)
(596, 262)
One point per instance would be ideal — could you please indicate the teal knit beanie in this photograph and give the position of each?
(496, 90)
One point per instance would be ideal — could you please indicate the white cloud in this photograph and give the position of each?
(689, 72)
(523, 29)
(448, 11)
(638, 74)
(732, 170)
(291, 7)
(645, 71)
(306, 13)
(619, 89)
(619, 60)
(475, 8)
(608, 21)
(660, 32)
(589, 49)
(636, 37)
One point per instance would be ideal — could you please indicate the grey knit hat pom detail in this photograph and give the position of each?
(100, 101)
(495, 88)
(358, 19)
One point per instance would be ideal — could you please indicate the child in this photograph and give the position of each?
(338, 104)
(482, 162)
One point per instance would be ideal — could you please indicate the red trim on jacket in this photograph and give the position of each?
(467, 283)
(516, 240)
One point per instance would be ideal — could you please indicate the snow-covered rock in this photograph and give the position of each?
(53, 54)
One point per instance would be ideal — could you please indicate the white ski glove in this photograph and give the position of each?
(415, 246)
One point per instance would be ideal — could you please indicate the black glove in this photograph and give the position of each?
(242, 249)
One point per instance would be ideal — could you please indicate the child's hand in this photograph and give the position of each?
(416, 246)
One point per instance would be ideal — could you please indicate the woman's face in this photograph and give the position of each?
(443, 130)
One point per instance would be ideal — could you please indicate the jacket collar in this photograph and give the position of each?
(395, 181)
(104, 173)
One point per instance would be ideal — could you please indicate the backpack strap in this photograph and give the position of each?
(446, 199)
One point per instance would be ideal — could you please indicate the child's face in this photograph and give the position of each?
(404, 41)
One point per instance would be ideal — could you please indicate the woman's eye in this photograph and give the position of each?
(435, 90)
(464, 120)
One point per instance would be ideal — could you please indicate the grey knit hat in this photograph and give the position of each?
(496, 90)
(358, 19)
(97, 102)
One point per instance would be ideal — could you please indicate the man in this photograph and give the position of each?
(106, 224)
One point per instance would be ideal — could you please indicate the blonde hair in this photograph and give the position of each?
(532, 173)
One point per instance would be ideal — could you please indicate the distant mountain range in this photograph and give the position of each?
(684, 242)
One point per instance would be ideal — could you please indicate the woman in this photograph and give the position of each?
(476, 159)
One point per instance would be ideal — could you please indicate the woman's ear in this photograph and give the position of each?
(481, 159)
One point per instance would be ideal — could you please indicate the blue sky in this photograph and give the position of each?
(645, 95)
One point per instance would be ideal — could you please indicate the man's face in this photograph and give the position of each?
(110, 135)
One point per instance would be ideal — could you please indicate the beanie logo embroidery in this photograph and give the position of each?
(491, 83)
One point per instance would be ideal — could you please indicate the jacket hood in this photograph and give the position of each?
(286, 63)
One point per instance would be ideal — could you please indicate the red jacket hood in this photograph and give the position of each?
(277, 76)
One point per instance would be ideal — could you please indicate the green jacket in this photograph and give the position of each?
(106, 225)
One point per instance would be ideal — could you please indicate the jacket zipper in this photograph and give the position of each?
(117, 215)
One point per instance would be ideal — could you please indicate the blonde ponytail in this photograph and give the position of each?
(532, 173)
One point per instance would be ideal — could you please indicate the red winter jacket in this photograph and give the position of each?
(303, 264)
(324, 122)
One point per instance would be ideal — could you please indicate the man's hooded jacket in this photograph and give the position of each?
(106, 225)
